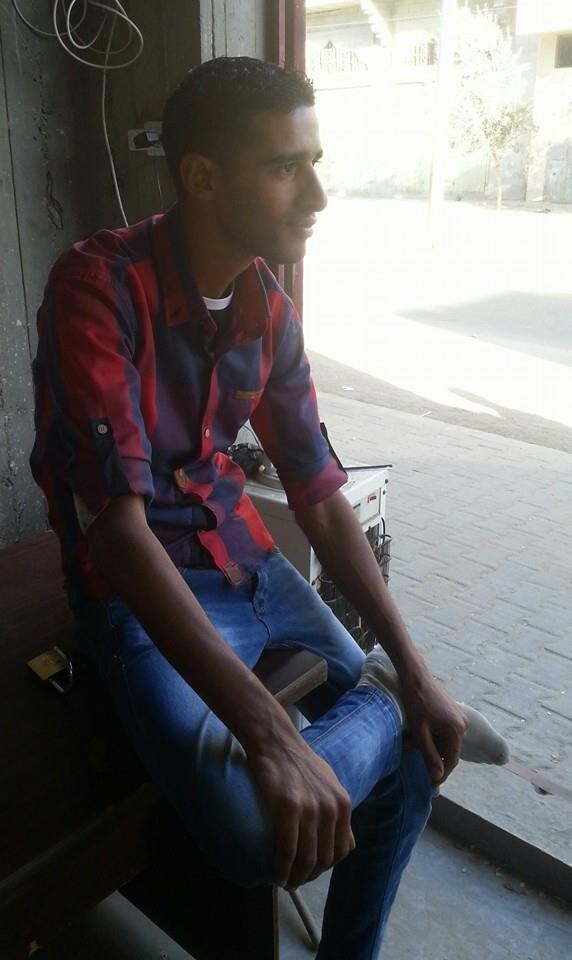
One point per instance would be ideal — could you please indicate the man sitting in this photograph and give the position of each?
(156, 343)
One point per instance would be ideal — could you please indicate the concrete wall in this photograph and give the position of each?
(550, 175)
(41, 211)
(55, 184)
(378, 135)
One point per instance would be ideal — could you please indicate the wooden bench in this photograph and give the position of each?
(74, 826)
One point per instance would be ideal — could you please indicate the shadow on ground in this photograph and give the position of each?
(533, 324)
(333, 377)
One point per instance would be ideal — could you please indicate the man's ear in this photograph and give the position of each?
(196, 173)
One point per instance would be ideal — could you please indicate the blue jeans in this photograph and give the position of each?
(202, 769)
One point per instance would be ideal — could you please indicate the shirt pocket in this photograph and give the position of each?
(250, 396)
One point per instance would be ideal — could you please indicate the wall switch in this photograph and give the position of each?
(147, 139)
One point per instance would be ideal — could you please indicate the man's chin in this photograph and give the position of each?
(291, 254)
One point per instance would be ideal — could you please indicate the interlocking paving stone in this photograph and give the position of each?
(456, 611)
(467, 688)
(525, 640)
(494, 665)
(521, 698)
(560, 703)
(482, 572)
(412, 606)
(549, 670)
(555, 620)
(562, 649)
(502, 615)
(427, 633)
(445, 661)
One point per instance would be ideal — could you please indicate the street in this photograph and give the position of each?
(455, 366)
(477, 332)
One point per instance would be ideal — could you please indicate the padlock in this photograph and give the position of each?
(53, 667)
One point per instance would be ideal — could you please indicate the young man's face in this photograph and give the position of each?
(266, 197)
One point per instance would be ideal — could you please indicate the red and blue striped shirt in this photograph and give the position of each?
(137, 391)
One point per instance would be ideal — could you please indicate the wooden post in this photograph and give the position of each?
(288, 46)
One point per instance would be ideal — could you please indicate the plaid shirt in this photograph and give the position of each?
(138, 392)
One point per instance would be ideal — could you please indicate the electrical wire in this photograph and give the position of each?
(70, 20)
(106, 136)
(159, 185)
(36, 30)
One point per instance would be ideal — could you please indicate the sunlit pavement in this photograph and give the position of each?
(481, 570)
(481, 321)
(481, 523)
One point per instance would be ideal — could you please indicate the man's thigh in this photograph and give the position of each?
(193, 758)
(296, 617)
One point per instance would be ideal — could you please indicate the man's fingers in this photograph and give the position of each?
(450, 748)
(345, 840)
(326, 846)
(431, 754)
(306, 859)
(286, 846)
(335, 842)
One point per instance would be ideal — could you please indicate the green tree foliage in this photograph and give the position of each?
(489, 114)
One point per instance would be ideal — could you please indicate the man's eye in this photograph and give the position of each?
(286, 169)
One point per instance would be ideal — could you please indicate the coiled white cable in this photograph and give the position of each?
(71, 20)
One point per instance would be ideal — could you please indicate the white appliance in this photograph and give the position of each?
(365, 490)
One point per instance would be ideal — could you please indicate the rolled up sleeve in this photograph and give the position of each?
(85, 371)
(288, 424)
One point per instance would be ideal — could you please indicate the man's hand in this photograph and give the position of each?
(310, 809)
(435, 723)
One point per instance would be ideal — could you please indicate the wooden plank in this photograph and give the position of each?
(145, 102)
(263, 14)
(102, 855)
(296, 34)
(52, 779)
(73, 827)
(290, 675)
(204, 913)
(137, 95)
(175, 48)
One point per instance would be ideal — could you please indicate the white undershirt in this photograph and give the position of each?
(221, 304)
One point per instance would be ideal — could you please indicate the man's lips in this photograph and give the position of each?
(305, 226)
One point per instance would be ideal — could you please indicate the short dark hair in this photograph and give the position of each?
(209, 110)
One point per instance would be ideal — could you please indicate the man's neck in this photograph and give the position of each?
(214, 264)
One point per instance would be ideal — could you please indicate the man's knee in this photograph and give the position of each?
(419, 791)
(240, 846)
(246, 860)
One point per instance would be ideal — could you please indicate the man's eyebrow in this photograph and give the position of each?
(281, 158)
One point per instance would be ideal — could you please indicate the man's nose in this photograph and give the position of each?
(315, 198)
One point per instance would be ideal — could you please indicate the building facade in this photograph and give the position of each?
(375, 67)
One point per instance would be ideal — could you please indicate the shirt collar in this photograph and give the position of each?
(182, 300)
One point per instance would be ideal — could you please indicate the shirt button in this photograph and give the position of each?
(102, 429)
(181, 479)
(207, 433)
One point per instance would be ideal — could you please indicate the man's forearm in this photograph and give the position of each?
(339, 543)
(126, 551)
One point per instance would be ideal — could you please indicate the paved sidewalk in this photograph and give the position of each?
(482, 571)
